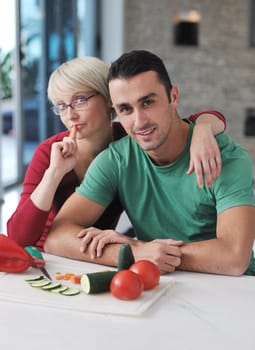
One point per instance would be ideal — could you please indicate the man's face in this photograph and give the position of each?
(144, 109)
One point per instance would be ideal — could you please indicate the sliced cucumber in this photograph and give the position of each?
(34, 279)
(97, 282)
(70, 291)
(59, 289)
(40, 283)
(55, 287)
(126, 257)
(51, 286)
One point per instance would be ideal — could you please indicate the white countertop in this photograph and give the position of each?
(200, 311)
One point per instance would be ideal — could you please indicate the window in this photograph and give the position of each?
(35, 38)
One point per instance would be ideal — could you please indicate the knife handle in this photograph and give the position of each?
(36, 255)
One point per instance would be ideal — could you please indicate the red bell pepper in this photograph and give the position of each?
(13, 257)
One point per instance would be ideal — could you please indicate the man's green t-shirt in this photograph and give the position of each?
(163, 201)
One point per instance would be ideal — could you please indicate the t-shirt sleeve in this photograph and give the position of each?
(234, 186)
(99, 183)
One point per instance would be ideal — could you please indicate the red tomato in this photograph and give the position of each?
(148, 271)
(126, 285)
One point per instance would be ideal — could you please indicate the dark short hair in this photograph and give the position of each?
(138, 61)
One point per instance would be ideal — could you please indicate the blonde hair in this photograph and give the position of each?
(78, 75)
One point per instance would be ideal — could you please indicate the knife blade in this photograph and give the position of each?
(44, 271)
(38, 260)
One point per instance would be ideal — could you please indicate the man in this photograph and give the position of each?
(177, 224)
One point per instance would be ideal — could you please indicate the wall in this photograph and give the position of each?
(112, 23)
(219, 74)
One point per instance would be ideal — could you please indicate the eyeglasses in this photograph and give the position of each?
(78, 104)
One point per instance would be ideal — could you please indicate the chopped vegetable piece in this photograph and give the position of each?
(76, 279)
(68, 277)
(41, 283)
(70, 291)
(51, 286)
(59, 290)
(59, 277)
(34, 279)
(47, 285)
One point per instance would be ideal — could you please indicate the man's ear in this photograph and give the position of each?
(174, 95)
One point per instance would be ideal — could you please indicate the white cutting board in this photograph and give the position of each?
(14, 288)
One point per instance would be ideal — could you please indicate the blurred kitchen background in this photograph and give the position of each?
(207, 46)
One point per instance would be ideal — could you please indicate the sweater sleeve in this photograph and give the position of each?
(27, 223)
(193, 117)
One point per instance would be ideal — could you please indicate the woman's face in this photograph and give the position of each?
(88, 110)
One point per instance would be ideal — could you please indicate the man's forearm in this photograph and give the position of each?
(230, 252)
(213, 256)
(69, 246)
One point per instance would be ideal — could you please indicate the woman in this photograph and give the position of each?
(79, 93)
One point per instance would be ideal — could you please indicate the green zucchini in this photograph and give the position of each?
(60, 289)
(70, 291)
(41, 283)
(97, 282)
(51, 286)
(54, 287)
(35, 279)
(126, 257)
